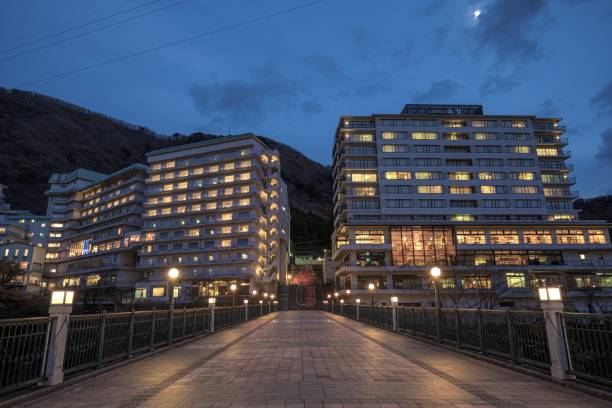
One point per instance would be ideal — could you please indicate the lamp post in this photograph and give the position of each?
(551, 302)
(233, 288)
(435, 275)
(371, 288)
(211, 306)
(260, 307)
(246, 309)
(341, 304)
(357, 302)
(59, 312)
(272, 296)
(173, 274)
(394, 302)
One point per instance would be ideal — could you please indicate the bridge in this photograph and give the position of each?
(306, 359)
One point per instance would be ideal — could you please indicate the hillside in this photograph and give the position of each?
(40, 135)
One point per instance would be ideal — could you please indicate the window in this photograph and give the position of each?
(491, 162)
(362, 191)
(463, 203)
(458, 162)
(537, 237)
(541, 151)
(488, 149)
(421, 245)
(496, 204)
(426, 149)
(363, 177)
(470, 237)
(456, 136)
(520, 149)
(428, 162)
(395, 162)
(504, 237)
(158, 291)
(432, 203)
(570, 237)
(525, 175)
(394, 135)
(462, 217)
(461, 189)
(398, 189)
(525, 189)
(597, 237)
(484, 123)
(427, 175)
(486, 136)
(476, 282)
(395, 148)
(429, 189)
(399, 203)
(490, 189)
(140, 293)
(454, 123)
(516, 280)
(226, 243)
(424, 136)
(397, 175)
(370, 258)
(460, 175)
(517, 124)
(369, 237)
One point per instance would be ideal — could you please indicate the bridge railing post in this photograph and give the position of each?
(211, 308)
(58, 337)
(559, 359)
(131, 333)
(101, 340)
(358, 302)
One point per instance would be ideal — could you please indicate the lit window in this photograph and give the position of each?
(570, 237)
(546, 151)
(462, 217)
(488, 189)
(158, 291)
(211, 206)
(537, 237)
(429, 189)
(504, 237)
(424, 136)
(397, 175)
(226, 217)
(597, 237)
(521, 149)
(225, 243)
(459, 175)
(515, 280)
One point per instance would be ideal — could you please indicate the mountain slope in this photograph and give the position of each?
(40, 135)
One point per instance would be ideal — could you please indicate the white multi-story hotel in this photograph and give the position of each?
(218, 211)
(94, 232)
(487, 198)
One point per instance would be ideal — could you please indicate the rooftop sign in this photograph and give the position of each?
(417, 109)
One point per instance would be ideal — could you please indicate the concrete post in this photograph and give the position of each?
(211, 328)
(559, 360)
(246, 312)
(357, 310)
(394, 315)
(54, 372)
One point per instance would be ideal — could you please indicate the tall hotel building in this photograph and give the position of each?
(94, 233)
(218, 211)
(487, 198)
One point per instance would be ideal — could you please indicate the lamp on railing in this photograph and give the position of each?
(233, 288)
(246, 309)
(371, 288)
(551, 302)
(550, 294)
(435, 275)
(357, 303)
(394, 303)
(62, 297)
(173, 275)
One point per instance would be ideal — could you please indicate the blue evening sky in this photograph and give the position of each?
(291, 76)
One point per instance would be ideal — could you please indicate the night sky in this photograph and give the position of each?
(291, 76)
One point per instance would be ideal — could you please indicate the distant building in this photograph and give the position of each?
(218, 211)
(23, 239)
(95, 222)
(487, 198)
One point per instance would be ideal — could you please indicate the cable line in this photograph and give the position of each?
(92, 31)
(79, 26)
(64, 23)
(170, 44)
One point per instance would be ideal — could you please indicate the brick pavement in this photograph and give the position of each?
(310, 359)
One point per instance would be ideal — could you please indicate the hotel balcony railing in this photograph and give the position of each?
(566, 180)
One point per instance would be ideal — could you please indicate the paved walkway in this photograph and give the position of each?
(311, 359)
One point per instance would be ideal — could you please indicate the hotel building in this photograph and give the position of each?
(218, 211)
(23, 239)
(487, 198)
(95, 222)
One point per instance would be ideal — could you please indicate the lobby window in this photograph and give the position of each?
(429, 189)
(158, 291)
(471, 237)
(422, 246)
(504, 237)
(397, 175)
(570, 237)
(537, 237)
(369, 237)
(516, 280)
(460, 175)
(476, 282)
(424, 136)
(597, 237)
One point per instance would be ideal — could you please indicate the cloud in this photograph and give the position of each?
(438, 91)
(604, 153)
(548, 107)
(603, 100)
(505, 28)
(324, 65)
(250, 101)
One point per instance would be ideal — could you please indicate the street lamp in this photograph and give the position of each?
(435, 274)
(233, 289)
(254, 292)
(173, 274)
(371, 288)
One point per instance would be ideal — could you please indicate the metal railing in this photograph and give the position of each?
(98, 339)
(519, 336)
(589, 345)
(23, 351)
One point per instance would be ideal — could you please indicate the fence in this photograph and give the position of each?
(98, 339)
(518, 336)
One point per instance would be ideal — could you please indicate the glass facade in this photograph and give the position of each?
(422, 246)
